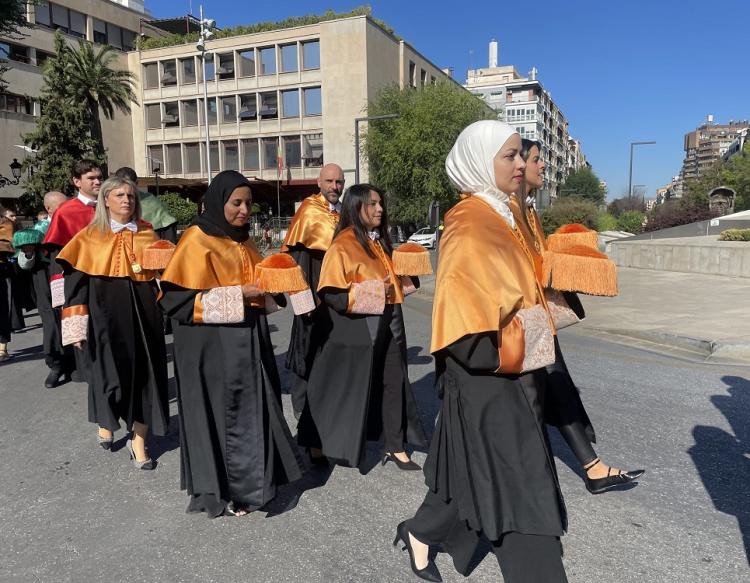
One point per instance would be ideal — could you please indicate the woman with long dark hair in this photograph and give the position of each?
(235, 446)
(359, 385)
(564, 408)
(111, 316)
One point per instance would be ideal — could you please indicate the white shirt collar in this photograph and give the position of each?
(374, 235)
(86, 200)
(335, 207)
(117, 227)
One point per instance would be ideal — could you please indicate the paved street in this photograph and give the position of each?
(72, 512)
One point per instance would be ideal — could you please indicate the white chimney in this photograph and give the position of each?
(493, 53)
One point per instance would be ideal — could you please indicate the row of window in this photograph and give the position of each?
(234, 64)
(422, 76)
(74, 23)
(16, 103)
(242, 107)
(22, 54)
(247, 154)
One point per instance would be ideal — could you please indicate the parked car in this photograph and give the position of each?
(427, 237)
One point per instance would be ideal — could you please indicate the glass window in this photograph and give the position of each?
(128, 39)
(228, 109)
(151, 75)
(15, 103)
(267, 60)
(214, 156)
(248, 107)
(14, 52)
(114, 35)
(174, 159)
(171, 114)
(190, 113)
(290, 103)
(269, 105)
(100, 32)
(313, 104)
(153, 116)
(247, 63)
(231, 155)
(313, 150)
(211, 110)
(292, 152)
(192, 158)
(43, 14)
(423, 77)
(77, 24)
(168, 73)
(311, 55)
(226, 66)
(250, 155)
(59, 17)
(412, 73)
(270, 147)
(187, 67)
(210, 68)
(155, 158)
(288, 58)
(42, 56)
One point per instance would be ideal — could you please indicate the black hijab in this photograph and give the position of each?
(212, 221)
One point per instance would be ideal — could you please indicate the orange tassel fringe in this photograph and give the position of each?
(561, 240)
(157, 255)
(412, 259)
(280, 274)
(588, 273)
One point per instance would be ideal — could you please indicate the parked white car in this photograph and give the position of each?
(426, 237)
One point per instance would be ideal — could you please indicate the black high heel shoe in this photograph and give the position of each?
(430, 572)
(599, 485)
(407, 466)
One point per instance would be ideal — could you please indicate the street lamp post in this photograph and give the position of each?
(206, 25)
(356, 138)
(630, 175)
(15, 169)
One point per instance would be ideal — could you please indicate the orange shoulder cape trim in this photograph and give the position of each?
(203, 262)
(109, 254)
(313, 225)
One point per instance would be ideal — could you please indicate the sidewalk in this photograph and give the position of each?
(708, 315)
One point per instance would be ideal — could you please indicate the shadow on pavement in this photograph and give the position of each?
(722, 458)
(25, 354)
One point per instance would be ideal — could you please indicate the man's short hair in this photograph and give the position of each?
(127, 172)
(83, 167)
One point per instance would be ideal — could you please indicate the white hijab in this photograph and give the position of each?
(470, 163)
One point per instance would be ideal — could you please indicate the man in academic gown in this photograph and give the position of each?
(308, 238)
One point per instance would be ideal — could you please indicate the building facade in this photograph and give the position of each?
(524, 103)
(280, 103)
(708, 143)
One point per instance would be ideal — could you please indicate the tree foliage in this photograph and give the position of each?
(182, 209)
(585, 184)
(61, 135)
(570, 209)
(735, 174)
(678, 212)
(626, 203)
(606, 222)
(407, 154)
(631, 222)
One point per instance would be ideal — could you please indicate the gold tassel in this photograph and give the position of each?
(280, 273)
(412, 259)
(157, 255)
(587, 274)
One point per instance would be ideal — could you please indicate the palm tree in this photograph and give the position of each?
(100, 85)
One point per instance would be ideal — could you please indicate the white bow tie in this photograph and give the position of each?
(117, 227)
(374, 235)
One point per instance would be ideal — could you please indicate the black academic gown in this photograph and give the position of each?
(126, 361)
(6, 270)
(235, 445)
(21, 297)
(490, 455)
(343, 401)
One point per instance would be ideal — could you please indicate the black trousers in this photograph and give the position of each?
(523, 558)
(575, 436)
(389, 373)
(299, 394)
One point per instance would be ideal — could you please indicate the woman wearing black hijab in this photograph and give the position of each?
(235, 444)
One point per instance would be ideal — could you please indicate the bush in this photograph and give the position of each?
(569, 209)
(631, 222)
(182, 209)
(735, 235)
(677, 212)
(606, 222)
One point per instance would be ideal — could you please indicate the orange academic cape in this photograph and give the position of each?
(346, 262)
(312, 226)
(484, 277)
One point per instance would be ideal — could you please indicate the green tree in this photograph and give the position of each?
(182, 209)
(61, 135)
(407, 154)
(736, 175)
(631, 222)
(606, 222)
(97, 83)
(570, 209)
(585, 184)
(626, 203)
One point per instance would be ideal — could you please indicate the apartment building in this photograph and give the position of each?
(293, 92)
(708, 143)
(524, 103)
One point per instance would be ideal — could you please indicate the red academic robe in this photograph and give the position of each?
(70, 218)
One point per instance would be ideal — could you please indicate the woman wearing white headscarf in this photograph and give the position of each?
(489, 471)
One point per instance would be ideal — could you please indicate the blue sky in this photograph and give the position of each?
(621, 71)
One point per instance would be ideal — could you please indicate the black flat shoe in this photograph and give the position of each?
(407, 466)
(599, 485)
(52, 380)
(317, 460)
(430, 572)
